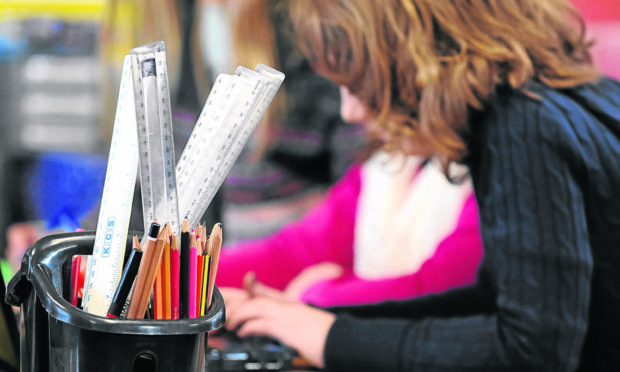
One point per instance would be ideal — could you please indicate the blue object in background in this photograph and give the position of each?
(65, 187)
(10, 49)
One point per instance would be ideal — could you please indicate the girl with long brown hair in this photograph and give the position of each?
(507, 88)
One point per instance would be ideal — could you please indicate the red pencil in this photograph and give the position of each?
(77, 281)
(76, 262)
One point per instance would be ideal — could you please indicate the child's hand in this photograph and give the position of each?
(309, 277)
(300, 326)
(233, 297)
(20, 236)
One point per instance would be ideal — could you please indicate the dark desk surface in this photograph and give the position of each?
(227, 352)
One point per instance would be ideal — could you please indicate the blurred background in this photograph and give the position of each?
(50, 105)
(60, 64)
(60, 68)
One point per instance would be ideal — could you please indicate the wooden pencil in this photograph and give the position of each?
(158, 290)
(215, 247)
(148, 271)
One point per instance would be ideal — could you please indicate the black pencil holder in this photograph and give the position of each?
(57, 336)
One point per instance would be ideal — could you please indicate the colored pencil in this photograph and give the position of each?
(167, 293)
(175, 272)
(205, 285)
(199, 265)
(184, 271)
(153, 249)
(215, 247)
(75, 278)
(127, 279)
(193, 259)
(158, 290)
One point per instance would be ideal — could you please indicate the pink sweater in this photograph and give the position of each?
(326, 234)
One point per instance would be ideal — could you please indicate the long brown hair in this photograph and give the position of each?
(421, 65)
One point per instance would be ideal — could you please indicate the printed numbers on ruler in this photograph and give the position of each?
(209, 176)
(154, 127)
(105, 264)
(243, 100)
(207, 126)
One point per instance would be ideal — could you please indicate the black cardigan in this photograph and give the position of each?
(546, 175)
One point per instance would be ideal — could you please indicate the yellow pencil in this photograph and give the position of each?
(205, 284)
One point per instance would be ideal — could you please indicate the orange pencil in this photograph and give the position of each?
(158, 296)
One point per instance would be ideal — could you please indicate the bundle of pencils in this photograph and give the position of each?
(177, 274)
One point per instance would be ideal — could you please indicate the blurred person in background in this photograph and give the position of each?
(392, 227)
(301, 147)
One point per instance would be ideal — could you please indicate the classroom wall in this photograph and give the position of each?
(602, 19)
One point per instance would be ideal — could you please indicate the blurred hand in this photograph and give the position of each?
(309, 277)
(261, 310)
(20, 236)
(233, 297)
(300, 326)
(293, 292)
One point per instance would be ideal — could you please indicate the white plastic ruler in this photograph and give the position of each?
(155, 139)
(143, 140)
(233, 109)
(106, 262)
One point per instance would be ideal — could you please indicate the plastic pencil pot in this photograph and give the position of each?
(57, 336)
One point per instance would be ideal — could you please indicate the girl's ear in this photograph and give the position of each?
(352, 109)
